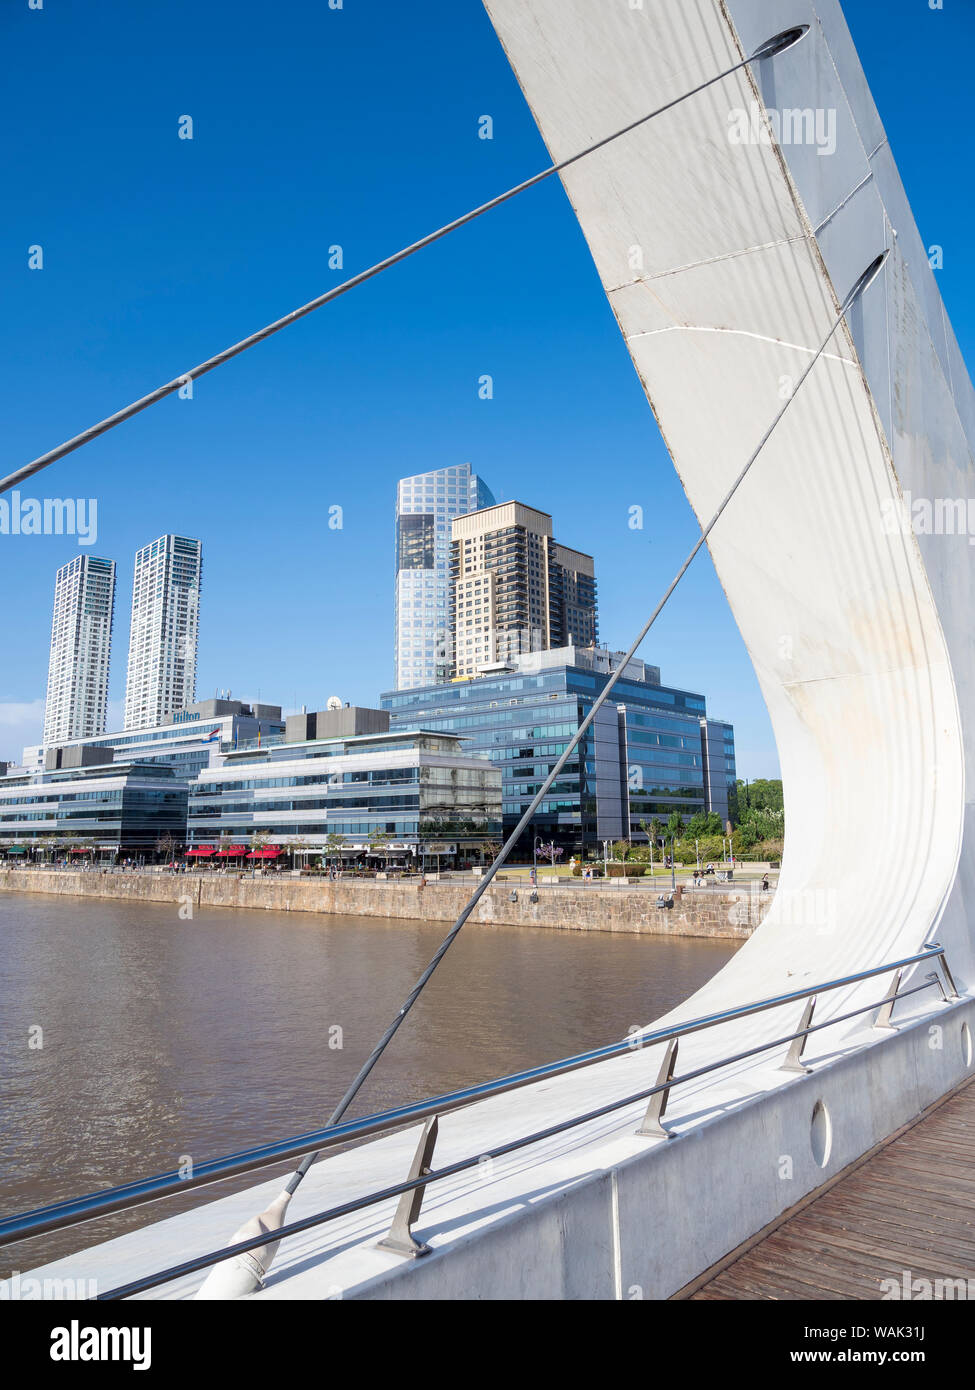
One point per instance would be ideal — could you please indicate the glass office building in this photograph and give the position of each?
(422, 791)
(644, 756)
(426, 504)
(101, 811)
(188, 741)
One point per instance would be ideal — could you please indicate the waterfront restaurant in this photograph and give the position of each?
(96, 812)
(408, 798)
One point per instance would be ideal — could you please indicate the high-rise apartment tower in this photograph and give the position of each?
(81, 644)
(514, 589)
(165, 626)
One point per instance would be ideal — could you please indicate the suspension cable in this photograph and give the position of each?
(770, 49)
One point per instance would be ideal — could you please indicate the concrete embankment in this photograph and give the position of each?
(704, 913)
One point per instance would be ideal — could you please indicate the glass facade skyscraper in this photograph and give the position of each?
(650, 751)
(426, 504)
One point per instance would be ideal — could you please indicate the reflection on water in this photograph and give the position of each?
(165, 1039)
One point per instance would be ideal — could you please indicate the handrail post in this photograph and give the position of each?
(793, 1061)
(651, 1125)
(943, 962)
(400, 1236)
(936, 979)
(887, 1007)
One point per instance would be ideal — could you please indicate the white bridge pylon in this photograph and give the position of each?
(725, 235)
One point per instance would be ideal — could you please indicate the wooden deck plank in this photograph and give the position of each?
(959, 1227)
(909, 1200)
(909, 1206)
(845, 1280)
(874, 1237)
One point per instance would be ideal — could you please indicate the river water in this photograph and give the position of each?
(131, 1039)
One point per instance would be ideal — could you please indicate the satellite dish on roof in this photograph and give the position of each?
(333, 702)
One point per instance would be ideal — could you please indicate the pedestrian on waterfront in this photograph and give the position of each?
(764, 883)
(533, 876)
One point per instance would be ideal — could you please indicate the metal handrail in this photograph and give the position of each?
(74, 1211)
(430, 1175)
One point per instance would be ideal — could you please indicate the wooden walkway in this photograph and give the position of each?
(909, 1205)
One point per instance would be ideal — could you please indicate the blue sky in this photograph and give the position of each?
(356, 127)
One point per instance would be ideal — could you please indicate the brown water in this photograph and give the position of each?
(165, 1038)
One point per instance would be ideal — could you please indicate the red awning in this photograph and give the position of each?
(201, 850)
(234, 850)
(81, 851)
(264, 854)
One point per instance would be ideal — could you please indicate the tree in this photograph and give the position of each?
(258, 842)
(379, 845)
(703, 823)
(165, 846)
(675, 826)
(745, 836)
(551, 851)
(45, 845)
(490, 849)
(764, 794)
(619, 849)
(760, 813)
(333, 846)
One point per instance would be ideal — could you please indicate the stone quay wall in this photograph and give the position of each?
(707, 912)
